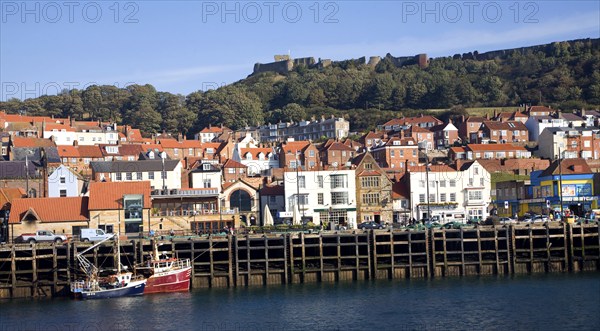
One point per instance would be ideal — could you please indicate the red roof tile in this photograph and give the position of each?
(50, 209)
(31, 142)
(109, 195)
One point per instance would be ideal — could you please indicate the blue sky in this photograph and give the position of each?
(184, 46)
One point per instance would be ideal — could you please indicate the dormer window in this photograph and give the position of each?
(206, 166)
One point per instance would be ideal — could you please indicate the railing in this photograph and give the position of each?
(186, 192)
(189, 212)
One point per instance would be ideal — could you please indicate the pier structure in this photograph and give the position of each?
(44, 270)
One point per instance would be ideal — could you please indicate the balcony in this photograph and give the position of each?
(196, 192)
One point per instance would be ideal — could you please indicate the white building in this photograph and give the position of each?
(146, 170)
(321, 196)
(453, 195)
(207, 175)
(537, 124)
(64, 182)
(65, 135)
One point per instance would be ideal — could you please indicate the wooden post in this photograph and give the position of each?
(375, 257)
(212, 265)
(496, 250)
(34, 274)
(321, 256)
(530, 248)
(445, 273)
(266, 248)
(192, 259)
(286, 279)
(571, 253)
(230, 239)
(248, 265)
(54, 270)
(479, 248)
(392, 254)
(303, 256)
(410, 267)
(462, 252)
(13, 269)
(356, 255)
(512, 252)
(291, 258)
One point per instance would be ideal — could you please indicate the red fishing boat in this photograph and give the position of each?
(166, 274)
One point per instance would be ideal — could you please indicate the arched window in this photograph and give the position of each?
(241, 199)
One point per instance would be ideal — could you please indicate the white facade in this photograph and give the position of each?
(451, 193)
(536, 125)
(172, 179)
(63, 182)
(64, 137)
(327, 195)
(207, 176)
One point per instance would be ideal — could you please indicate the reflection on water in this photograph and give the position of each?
(545, 302)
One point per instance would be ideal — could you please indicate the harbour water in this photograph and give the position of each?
(526, 302)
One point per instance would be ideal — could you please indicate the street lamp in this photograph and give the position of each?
(560, 195)
(163, 155)
(423, 146)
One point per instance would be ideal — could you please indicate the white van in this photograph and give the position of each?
(94, 235)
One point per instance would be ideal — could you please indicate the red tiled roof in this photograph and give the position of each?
(337, 146)
(233, 164)
(32, 142)
(91, 151)
(68, 151)
(458, 149)
(399, 190)
(50, 209)
(255, 151)
(171, 143)
(516, 125)
(212, 129)
(109, 195)
(8, 194)
(59, 127)
(295, 146)
(495, 147)
(272, 190)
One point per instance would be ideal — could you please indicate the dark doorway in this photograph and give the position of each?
(378, 219)
(240, 199)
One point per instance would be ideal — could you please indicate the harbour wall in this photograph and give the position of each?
(44, 270)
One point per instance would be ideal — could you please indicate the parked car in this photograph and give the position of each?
(94, 235)
(370, 225)
(40, 236)
(507, 220)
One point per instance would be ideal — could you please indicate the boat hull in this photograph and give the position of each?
(132, 289)
(169, 281)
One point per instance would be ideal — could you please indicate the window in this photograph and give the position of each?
(421, 183)
(452, 183)
(119, 176)
(339, 181)
(63, 180)
(422, 198)
(481, 181)
(392, 153)
(320, 181)
(128, 176)
(442, 197)
(338, 198)
(320, 198)
(302, 181)
(432, 184)
(175, 151)
(453, 197)
(470, 181)
(151, 175)
(311, 164)
(231, 171)
(431, 197)
(311, 153)
(163, 175)
(139, 176)
(368, 166)
(476, 170)
(586, 143)
(370, 198)
(442, 183)
(206, 183)
(63, 193)
(371, 181)
(475, 195)
(190, 151)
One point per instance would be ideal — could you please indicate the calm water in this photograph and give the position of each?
(541, 302)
